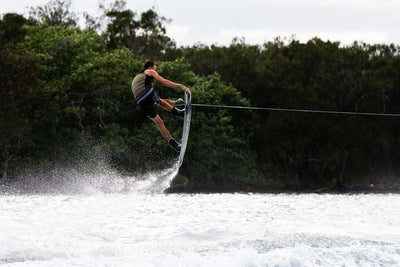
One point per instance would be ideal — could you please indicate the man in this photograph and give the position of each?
(147, 98)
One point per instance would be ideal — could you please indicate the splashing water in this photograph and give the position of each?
(110, 181)
(153, 182)
(102, 179)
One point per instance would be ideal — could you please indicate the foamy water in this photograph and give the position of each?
(141, 229)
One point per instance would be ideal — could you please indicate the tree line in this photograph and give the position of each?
(66, 89)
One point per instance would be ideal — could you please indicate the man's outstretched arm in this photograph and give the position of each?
(166, 82)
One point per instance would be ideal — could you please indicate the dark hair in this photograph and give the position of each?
(148, 63)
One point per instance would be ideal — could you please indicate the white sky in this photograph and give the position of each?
(219, 21)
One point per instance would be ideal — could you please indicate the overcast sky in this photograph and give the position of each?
(219, 21)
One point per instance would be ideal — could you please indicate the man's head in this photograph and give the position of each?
(149, 64)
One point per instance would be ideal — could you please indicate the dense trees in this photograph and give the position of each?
(306, 150)
(64, 89)
(145, 35)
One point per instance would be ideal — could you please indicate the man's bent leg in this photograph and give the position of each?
(171, 102)
(165, 105)
(161, 127)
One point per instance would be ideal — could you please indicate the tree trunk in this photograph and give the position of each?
(5, 169)
(6, 160)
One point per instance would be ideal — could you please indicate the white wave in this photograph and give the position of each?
(199, 229)
(302, 256)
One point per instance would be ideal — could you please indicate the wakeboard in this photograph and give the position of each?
(186, 127)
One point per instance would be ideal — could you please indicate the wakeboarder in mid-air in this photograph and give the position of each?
(147, 98)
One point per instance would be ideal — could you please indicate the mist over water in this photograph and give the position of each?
(106, 180)
(86, 170)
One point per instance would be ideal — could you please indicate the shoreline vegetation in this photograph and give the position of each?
(66, 101)
(333, 189)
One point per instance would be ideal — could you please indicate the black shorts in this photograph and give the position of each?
(148, 104)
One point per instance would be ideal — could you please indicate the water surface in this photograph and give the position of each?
(137, 229)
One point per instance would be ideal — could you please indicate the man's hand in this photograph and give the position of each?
(185, 88)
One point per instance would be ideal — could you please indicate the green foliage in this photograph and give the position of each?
(121, 31)
(153, 41)
(11, 29)
(219, 142)
(236, 64)
(146, 36)
(304, 150)
(19, 70)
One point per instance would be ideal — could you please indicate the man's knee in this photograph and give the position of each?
(157, 120)
(165, 104)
